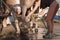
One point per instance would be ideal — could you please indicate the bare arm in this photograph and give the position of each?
(42, 12)
(37, 4)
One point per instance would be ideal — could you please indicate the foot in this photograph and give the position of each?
(48, 36)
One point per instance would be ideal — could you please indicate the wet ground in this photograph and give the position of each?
(26, 36)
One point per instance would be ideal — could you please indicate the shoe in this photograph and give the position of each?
(48, 36)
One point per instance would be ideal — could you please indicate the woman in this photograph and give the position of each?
(53, 8)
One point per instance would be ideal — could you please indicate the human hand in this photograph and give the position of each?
(27, 19)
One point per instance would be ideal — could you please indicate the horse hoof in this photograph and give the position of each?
(17, 34)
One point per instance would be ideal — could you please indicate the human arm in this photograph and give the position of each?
(37, 4)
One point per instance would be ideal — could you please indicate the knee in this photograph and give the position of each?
(49, 19)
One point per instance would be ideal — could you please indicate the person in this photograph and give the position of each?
(53, 8)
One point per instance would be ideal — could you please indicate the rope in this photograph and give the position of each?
(5, 4)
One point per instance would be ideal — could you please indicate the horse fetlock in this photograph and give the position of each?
(18, 31)
(4, 23)
(27, 19)
(17, 26)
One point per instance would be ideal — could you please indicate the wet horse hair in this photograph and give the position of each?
(10, 9)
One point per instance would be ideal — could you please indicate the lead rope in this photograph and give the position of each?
(5, 4)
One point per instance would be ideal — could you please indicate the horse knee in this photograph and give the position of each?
(16, 21)
(18, 10)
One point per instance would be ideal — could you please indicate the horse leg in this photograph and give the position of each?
(15, 23)
(16, 19)
(24, 9)
(31, 25)
(18, 10)
(4, 22)
(1, 27)
(17, 26)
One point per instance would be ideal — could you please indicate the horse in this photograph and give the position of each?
(12, 7)
(26, 4)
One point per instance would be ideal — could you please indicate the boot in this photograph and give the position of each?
(48, 35)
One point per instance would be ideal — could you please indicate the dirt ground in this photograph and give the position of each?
(10, 29)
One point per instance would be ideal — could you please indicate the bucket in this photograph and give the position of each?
(56, 17)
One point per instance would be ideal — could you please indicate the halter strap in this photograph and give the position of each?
(16, 5)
